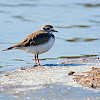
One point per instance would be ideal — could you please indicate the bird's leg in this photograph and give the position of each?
(38, 60)
(35, 60)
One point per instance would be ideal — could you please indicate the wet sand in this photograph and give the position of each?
(91, 80)
(52, 77)
(29, 76)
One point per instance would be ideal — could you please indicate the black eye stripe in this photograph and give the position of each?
(48, 28)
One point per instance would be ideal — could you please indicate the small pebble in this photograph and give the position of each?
(71, 73)
(0, 72)
(22, 68)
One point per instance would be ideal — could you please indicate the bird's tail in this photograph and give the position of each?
(8, 48)
(13, 47)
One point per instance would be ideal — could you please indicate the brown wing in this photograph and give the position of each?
(39, 37)
(36, 38)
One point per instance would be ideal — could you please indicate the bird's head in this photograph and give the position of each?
(48, 28)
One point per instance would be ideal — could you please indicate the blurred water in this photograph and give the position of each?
(48, 92)
(77, 21)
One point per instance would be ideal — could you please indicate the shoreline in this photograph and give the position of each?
(29, 76)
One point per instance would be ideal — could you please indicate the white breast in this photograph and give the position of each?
(39, 48)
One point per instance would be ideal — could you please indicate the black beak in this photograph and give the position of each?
(54, 30)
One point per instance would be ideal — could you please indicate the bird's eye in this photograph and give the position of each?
(48, 28)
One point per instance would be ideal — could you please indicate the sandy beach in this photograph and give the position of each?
(53, 77)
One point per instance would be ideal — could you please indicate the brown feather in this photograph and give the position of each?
(36, 38)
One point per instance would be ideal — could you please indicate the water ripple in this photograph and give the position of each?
(69, 57)
(90, 5)
(21, 18)
(2, 11)
(94, 21)
(17, 5)
(27, 5)
(18, 60)
(7, 43)
(82, 39)
(72, 26)
(73, 57)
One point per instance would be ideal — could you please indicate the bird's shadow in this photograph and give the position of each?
(50, 65)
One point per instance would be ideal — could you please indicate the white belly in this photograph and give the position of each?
(39, 48)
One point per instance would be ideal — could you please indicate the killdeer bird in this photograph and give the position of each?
(38, 42)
